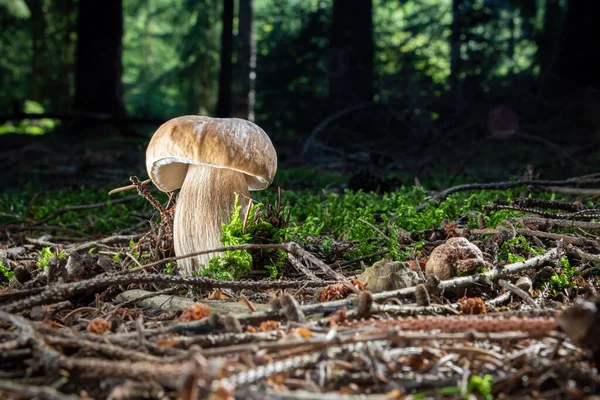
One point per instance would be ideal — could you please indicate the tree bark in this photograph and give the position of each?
(98, 68)
(548, 37)
(224, 102)
(455, 51)
(63, 84)
(351, 67)
(38, 28)
(245, 66)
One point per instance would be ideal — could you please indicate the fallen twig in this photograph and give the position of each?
(107, 240)
(51, 359)
(301, 268)
(10, 387)
(290, 247)
(43, 228)
(80, 207)
(63, 291)
(563, 223)
(593, 178)
(578, 241)
(332, 306)
(332, 118)
(495, 302)
(519, 292)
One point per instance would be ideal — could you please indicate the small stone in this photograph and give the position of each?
(51, 269)
(14, 252)
(525, 284)
(74, 265)
(22, 274)
(106, 264)
(386, 275)
(45, 238)
(422, 296)
(545, 273)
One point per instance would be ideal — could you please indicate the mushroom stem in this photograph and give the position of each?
(205, 202)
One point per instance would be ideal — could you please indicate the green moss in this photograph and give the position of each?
(46, 254)
(371, 221)
(374, 220)
(6, 272)
(231, 264)
(517, 250)
(265, 224)
(169, 267)
(443, 391)
(33, 204)
(484, 385)
(563, 280)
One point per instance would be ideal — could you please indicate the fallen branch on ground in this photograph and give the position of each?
(64, 291)
(593, 178)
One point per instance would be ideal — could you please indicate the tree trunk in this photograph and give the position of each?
(548, 38)
(224, 103)
(38, 28)
(98, 69)
(455, 51)
(575, 62)
(510, 51)
(351, 68)
(245, 66)
(63, 84)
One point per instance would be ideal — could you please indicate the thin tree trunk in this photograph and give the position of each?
(98, 70)
(351, 67)
(224, 103)
(64, 82)
(510, 52)
(455, 51)
(245, 66)
(38, 27)
(549, 37)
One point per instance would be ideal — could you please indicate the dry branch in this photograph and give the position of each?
(593, 178)
(63, 291)
(106, 241)
(65, 210)
(10, 387)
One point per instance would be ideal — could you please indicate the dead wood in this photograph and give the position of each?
(64, 291)
(587, 179)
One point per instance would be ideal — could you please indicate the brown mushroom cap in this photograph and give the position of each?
(230, 143)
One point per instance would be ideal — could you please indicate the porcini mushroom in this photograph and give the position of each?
(211, 160)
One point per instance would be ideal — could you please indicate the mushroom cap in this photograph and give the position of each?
(231, 143)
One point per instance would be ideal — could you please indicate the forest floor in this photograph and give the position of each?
(89, 311)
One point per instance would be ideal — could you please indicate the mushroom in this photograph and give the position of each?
(211, 160)
(456, 255)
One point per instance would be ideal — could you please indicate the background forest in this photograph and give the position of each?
(428, 79)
